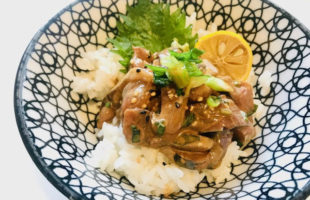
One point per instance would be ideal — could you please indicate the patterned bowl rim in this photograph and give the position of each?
(19, 115)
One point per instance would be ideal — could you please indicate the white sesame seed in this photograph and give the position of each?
(153, 94)
(134, 100)
(199, 99)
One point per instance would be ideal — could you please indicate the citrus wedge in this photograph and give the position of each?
(229, 52)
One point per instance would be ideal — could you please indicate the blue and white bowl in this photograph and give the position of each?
(57, 125)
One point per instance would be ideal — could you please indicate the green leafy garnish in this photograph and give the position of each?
(158, 71)
(176, 71)
(213, 101)
(189, 56)
(123, 47)
(180, 92)
(107, 104)
(160, 128)
(211, 81)
(189, 119)
(160, 75)
(135, 134)
(189, 59)
(151, 26)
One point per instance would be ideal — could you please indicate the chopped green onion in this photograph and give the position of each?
(107, 104)
(192, 69)
(160, 127)
(189, 119)
(176, 71)
(213, 101)
(218, 84)
(159, 71)
(189, 56)
(211, 81)
(160, 75)
(180, 92)
(252, 111)
(135, 134)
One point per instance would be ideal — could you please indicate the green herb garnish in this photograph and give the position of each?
(160, 77)
(107, 104)
(176, 71)
(189, 56)
(180, 92)
(135, 134)
(211, 81)
(189, 119)
(213, 101)
(160, 128)
(151, 26)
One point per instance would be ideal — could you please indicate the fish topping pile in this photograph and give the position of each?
(171, 101)
(171, 97)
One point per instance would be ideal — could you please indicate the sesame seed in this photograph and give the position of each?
(147, 118)
(144, 106)
(153, 94)
(194, 123)
(192, 108)
(170, 96)
(143, 112)
(199, 99)
(134, 100)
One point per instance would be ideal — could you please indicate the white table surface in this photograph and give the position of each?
(19, 21)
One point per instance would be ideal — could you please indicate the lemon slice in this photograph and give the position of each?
(229, 52)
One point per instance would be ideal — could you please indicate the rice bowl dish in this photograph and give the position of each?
(58, 125)
(148, 169)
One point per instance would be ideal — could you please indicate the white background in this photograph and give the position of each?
(19, 21)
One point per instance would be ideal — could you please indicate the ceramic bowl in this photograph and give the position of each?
(57, 125)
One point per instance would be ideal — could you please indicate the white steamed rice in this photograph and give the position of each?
(144, 166)
(103, 73)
